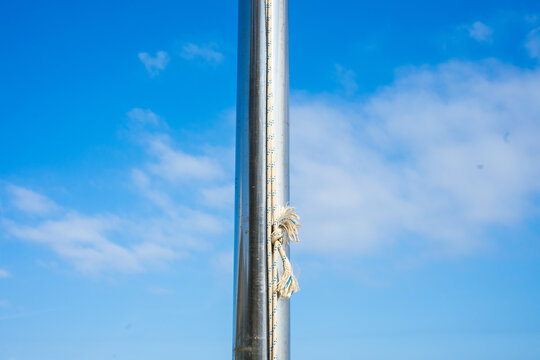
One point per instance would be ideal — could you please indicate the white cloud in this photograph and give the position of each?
(347, 79)
(480, 32)
(4, 274)
(81, 240)
(174, 221)
(167, 161)
(23, 315)
(140, 179)
(94, 243)
(206, 52)
(159, 198)
(176, 165)
(105, 242)
(154, 64)
(159, 290)
(144, 116)
(533, 43)
(439, 156)
(219, 196)
(224, 262)
(150, 251)
(30, 202)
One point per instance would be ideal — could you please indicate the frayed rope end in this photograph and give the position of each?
(286, 226)
(288, 284)
(287, 220)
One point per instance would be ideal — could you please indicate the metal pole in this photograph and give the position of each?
(250, 328)
(251, 282)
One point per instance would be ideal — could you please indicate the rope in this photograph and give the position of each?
(287, 228)
(282, 224)
(270, 179)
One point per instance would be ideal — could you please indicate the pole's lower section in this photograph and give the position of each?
(251, 339)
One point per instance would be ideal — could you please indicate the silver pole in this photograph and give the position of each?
(250, 328)
(250, 304)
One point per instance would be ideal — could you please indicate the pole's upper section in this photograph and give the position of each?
(251, 282)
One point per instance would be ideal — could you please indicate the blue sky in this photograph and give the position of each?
(414, 165)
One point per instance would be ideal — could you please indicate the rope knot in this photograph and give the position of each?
(285, 227)
(277, 235)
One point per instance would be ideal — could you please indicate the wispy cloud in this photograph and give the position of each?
(24, 314)
(480, 32)
(533, 43)
(176, 165)
(208, 53)
(144, 116)
(218, 196)
(85, 241)
(224, 262)
(105, 242)
(4, 274)
(175, 223)
(440, 156)
(347, 79)
(159, 290)
(29, 201)
(4, 303)
(154, 64)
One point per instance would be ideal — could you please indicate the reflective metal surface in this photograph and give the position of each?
(250, 304)
(250, 321)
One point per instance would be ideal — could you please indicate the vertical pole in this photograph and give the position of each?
(250, 320)
(251, 335)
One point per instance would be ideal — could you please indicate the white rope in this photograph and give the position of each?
(282, 224)
(270, 179)
(285, 231)
(270, 195)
